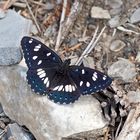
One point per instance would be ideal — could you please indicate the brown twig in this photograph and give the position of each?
(75, 47)
(60, 26)
(106, 134)
(75, 11)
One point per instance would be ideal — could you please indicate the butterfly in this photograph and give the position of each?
(63, 83)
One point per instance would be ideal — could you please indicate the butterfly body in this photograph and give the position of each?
(61, 82)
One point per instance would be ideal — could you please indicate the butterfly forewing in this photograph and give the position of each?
(89, 80)
(37, 55)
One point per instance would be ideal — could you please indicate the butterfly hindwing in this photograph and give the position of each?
(38, 55)
(63, 97)
(40, 79)
(89, 80)
(63, 90)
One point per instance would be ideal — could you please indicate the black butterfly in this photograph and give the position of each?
(48, 74)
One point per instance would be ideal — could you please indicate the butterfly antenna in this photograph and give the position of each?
(91, 45)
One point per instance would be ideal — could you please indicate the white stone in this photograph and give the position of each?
(134, 96)
(98, 12)
(114, 21)
(117, 45)
(45, 119)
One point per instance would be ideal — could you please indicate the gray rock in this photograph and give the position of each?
(115, 12)
(115, 6)
(13, 28)
(98, 12)
(135, 16)
(114, 3)
(89, 62)
(45, 119)
(123, 69)
(73, 41)
(14, 131)
(114, 22)
(59, 1)
(49, 6)
(117, 45)
(134, 96)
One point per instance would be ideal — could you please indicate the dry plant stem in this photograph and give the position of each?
(87, 48)
(75, 11)
(121, 28)
(20, 5)
(37, 9)
(106, 134)
(34, 19)
(98, 37)
(38, 3)
(118, 129)
(131, 128)
(61, 25)
(91, 45)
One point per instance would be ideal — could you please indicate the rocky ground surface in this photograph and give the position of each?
(112, 28)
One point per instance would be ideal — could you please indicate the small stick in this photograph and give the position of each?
(91, 45)
(87, 48)
(37, 3)
(118, 129)
(75, 11)
(20, 5)
(61, 24)
(35, 21)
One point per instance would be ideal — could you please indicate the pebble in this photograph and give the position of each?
(73, 41)
(98, 12)
(16, 132)
(114, 3)
(89, 62)
(49, 6)
(115, 6)
(117, 45)
(116, 11)
(135, 17)
(123, 69)
(114, 22)
(138, 57)
(134, 96)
